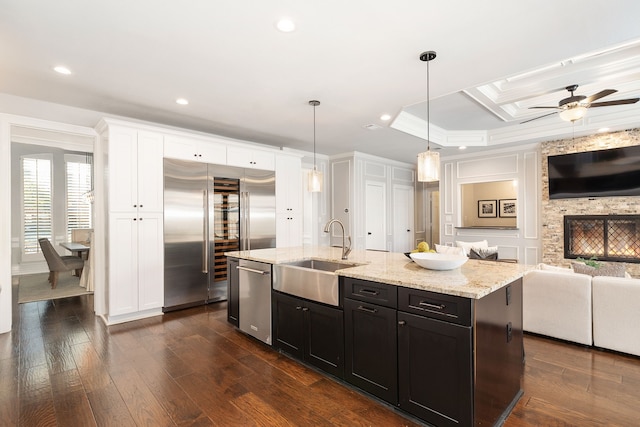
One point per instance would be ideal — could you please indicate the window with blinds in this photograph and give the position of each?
(78, 181)
(36, 202)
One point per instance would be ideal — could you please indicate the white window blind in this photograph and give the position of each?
(36, 202)
(78, 181)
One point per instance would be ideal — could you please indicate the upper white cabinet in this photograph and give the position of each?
(289, 215)
(250, 158)
(135, 181)
(185, 148)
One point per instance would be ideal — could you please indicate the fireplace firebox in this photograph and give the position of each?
(605, 237)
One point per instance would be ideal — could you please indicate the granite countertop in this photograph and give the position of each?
(475, 279)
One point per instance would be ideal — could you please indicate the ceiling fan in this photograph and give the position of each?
(575, 106)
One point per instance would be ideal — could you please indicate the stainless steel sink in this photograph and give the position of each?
(311, 279)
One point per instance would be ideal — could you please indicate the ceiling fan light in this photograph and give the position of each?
(573, 114)
(428, 166)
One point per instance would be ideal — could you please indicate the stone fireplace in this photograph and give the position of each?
(552, 212)
(605, 237)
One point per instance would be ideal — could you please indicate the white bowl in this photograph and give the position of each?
(436, 261)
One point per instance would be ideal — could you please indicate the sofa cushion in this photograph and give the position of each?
(490, 253)
(468, 245)
(613, 270)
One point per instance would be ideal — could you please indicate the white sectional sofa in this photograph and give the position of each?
(616, 313)
(602, 311)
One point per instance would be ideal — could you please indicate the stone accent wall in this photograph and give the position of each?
(553, 211)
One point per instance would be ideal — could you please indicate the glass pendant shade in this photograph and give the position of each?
(573, 114)
(429, 166)
(315, 181)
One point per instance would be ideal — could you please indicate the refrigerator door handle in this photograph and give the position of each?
(247, 218)
(205, 234)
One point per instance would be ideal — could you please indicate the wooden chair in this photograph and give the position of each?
(59, 263)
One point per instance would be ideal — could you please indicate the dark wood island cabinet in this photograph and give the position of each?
(310, 331)
(444, 347)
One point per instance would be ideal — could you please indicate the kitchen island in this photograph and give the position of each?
(444, 346)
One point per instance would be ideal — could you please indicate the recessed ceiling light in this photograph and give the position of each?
(385, 117)
(462, 147)
(603, 130)
(182, 101)
(286, 25)
(62, 70)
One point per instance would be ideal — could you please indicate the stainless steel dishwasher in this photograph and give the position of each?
(255, 299)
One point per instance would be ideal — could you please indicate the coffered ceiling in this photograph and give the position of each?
(245, 79)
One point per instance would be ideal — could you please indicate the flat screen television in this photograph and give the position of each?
(602, 173)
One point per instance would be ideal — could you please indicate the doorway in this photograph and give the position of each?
(51, 197)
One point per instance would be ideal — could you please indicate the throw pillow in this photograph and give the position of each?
(441, 249)
(484, 253)
(613, 270)
(468, 245)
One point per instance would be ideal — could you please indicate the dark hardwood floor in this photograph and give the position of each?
(61, 366)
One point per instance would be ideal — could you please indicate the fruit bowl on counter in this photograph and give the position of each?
(436, 261)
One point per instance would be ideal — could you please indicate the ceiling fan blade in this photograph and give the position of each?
(618, 102)
(539, 117)
(544, 107)
(599, 95)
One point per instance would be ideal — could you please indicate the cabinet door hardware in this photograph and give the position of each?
(298, 307)
(305, 309)
(369, 292)
(367, 309)
(436, 306)
(402, 323)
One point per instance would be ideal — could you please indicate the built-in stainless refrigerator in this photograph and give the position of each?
(210, 210)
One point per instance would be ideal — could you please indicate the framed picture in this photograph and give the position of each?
(487, 209)
(508, 208)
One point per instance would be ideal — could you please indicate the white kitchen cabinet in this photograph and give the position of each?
(250, 158)
(134, 285)
(135, 178)
(289, 214)
(136, 260)
(185, 148)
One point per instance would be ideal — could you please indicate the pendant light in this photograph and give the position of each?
(428, 161)
(315, 177)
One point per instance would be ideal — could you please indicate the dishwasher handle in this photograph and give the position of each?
(252, 270)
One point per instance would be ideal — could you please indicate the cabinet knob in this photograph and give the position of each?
(140, 219)
(195, 154)
(298, 308)
(135, 219)
(402, 322)
(408, 231)
(305, 309)
(135, 206)
(369, 233)
(141, 206)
